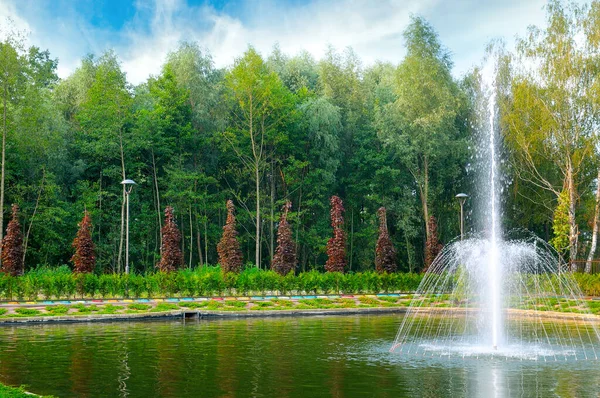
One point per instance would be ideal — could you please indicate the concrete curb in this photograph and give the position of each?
(195, 314)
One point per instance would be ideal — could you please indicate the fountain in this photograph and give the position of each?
(495, 296)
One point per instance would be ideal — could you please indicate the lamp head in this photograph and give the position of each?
(462, 197)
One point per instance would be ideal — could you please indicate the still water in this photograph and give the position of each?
(277, 357)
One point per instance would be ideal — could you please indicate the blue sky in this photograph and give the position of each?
(142, 32)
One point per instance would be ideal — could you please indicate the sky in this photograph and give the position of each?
(142, 32)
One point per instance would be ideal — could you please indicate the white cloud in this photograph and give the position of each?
(373, 29)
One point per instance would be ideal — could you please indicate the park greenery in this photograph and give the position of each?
(273, 128)
(60, 283)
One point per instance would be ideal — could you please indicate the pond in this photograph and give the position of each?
(342, 356)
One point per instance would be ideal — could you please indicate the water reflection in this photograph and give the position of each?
(327, 356)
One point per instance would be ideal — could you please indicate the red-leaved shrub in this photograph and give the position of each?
(230, 255)
(284, 259)
(84, 258)
(12, 246)
(385, 254)
(171, 257)
(336, 246)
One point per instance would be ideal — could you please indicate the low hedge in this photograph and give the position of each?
(61, 283)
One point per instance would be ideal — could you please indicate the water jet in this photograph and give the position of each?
(486, 290)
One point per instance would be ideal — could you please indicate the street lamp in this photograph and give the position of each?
(462, 197)
(127, 187)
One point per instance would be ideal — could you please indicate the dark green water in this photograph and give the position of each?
(282, 357)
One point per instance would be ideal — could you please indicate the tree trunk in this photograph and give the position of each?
(120, 255)
(3, 168)
(37, 202)
(425, 197)
(199, 242)
(588, 264)
(272, 244)
(256, 170)
(351, 239)
(191, 237)
(158, 208)
(205, 235)
(573, 233)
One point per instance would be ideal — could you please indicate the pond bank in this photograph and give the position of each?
(14, 313)
(17, 392)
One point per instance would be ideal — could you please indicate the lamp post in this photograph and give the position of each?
(127, 186)
(462, 197)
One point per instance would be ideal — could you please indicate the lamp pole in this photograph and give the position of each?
(462, 197)
(128, 186)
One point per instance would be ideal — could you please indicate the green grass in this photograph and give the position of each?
(388, 299)
(163, 307)
(235, 304)
(57, 309)
(27, 312)
(139, 307)
(369, 301)
(19, 392)
(110, 309)
(192, 305)
(85, 309)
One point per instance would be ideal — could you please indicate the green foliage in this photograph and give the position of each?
(27, 311)
(288, 127)
(560, 223)
(204, 281)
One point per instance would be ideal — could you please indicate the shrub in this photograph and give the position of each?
(284, 259)
(27, 311)
(230, 255)
(84, 258)
(12, 246)
(57, 309)
(385, 254)
(139, 307)
(336, 246)
(171, 257)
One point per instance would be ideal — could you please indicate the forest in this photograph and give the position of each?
(273, 128)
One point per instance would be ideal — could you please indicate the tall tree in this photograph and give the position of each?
(550, 119)
(102, 120)
(260, 101)
(11, 77)
(421, 124)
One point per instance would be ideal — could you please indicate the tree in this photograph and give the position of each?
(550, 117)
(259, 100)
(171, 257)
(420, 126)
(102, 120)
(12, 246)
(336, 246)
(84, 258)
(284, 259)
(385, 254)
(230, 255)
(432, 245)
(11, 77)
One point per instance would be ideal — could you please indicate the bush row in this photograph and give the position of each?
(61, 283)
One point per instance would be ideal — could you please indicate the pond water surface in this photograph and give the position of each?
(336, 356)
